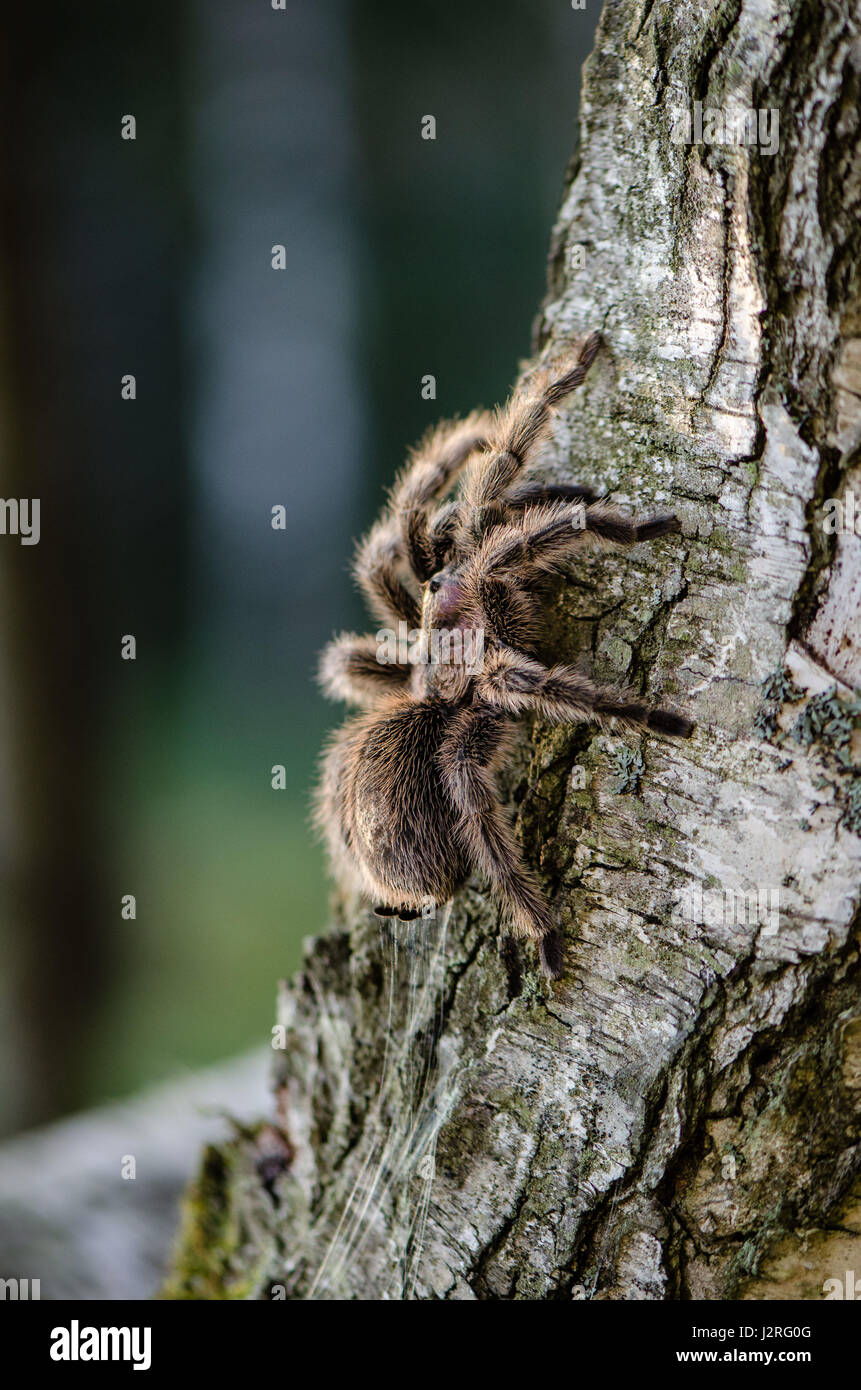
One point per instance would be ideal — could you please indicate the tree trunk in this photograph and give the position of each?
(681, 1116)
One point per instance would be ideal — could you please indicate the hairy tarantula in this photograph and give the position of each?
(407, 800)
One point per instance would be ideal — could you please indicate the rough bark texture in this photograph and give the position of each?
(680, 1116)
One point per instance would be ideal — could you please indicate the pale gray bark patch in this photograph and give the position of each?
(686, 1099)
(68, 1215)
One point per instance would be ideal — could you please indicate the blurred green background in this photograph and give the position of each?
(255, 387)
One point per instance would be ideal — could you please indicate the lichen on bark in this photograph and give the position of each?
(681, 1115)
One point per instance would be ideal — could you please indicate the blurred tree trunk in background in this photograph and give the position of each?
(679, 1117)
(91, 240)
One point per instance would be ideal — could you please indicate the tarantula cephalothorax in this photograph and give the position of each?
(407, 799)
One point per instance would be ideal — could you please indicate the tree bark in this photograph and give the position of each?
(680, 1117)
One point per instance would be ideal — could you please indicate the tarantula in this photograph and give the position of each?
(407, 800)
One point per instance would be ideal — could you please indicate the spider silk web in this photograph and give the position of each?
(389, 1198)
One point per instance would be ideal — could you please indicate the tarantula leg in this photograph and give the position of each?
(519, 685)
(665, 524)
(488, 840)
(399, 541)
(531, 494)
(441, 535)
(353, 669)
(523, 426)
(551, 955)
(376, 568)
(430, 472)
(517, 500)
(612, 525)
(548, 535)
